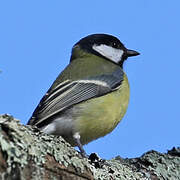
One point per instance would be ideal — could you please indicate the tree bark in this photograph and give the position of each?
(26, 153)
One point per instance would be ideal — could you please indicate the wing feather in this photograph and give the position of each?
(69, 93)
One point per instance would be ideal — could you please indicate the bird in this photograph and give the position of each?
(90, 96)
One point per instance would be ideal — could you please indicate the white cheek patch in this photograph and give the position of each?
(109, 52)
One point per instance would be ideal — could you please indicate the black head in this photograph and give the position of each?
(106, 46)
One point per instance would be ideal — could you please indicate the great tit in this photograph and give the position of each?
(90, 96)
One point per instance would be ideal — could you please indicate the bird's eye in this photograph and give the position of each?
(114, 45)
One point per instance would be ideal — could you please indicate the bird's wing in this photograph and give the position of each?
(70, 92)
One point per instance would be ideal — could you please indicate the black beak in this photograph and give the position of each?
(132, 53)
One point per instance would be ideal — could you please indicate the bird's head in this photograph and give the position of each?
(106, 46)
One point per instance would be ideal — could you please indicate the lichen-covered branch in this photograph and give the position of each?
(27, 153)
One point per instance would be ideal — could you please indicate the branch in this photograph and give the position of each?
(27, 153)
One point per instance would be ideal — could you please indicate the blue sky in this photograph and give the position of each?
(36, 38)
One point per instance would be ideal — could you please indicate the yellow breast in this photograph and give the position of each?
(99, 116)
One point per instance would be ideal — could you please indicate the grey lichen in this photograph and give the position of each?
(155, 165)
(26, 142)
(165, 166)
(21, 145)
(116, 170)
(12, 148)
